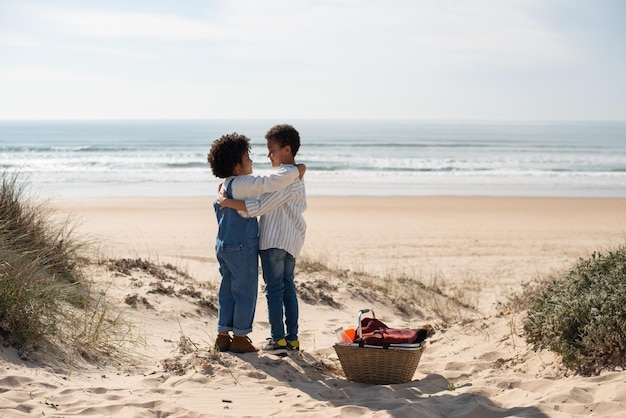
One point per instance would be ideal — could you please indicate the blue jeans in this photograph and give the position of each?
(280, 290)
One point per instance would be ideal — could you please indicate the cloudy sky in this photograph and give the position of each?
(418, 59)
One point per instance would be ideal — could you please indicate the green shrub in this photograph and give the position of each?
(582, 314)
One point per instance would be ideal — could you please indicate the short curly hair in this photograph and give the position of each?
(284, 135)
(226, 152)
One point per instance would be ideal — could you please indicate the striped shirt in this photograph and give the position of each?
(253, 187)
(282, 224)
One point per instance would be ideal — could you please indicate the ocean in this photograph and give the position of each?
(69, 159)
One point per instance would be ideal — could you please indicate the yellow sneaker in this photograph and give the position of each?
(293, 345)
(278, 348)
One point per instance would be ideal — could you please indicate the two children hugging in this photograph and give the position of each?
(279, 200)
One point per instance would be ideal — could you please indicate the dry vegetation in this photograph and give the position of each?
(411, 296)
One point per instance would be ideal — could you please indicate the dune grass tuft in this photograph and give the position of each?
(45, 298)
(39, 267)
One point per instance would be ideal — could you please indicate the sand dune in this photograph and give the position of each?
(480, 249)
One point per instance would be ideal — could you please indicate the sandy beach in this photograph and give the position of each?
(480, 249)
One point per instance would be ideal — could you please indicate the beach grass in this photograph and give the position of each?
(40, 267)
(45, 296)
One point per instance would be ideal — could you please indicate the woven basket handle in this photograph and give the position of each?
(359, 327)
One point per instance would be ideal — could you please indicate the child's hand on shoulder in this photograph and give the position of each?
(301, 169)
(221, 196)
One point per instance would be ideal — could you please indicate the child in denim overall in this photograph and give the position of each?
(282, 233)
(237, 242)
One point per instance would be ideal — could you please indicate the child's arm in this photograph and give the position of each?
(269, 203)
(255, 186)
(258, 207)
(225, 202)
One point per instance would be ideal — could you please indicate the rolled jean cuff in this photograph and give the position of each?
(242, 332)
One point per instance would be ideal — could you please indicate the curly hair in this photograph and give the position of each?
(285, 135)
(226, 152)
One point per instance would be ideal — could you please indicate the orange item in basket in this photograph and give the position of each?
(350, 332)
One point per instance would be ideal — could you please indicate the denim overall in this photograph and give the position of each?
(236, 249)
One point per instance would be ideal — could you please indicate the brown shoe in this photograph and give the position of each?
(242, 344)
(222, 342)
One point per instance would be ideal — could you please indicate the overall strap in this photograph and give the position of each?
(229, 189)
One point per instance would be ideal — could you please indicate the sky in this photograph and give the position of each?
(367, 59)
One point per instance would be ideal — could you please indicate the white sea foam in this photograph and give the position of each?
(343, 157)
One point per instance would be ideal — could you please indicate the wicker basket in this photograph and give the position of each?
(377, 365)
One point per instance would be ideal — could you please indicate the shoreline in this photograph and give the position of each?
(154, 190)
